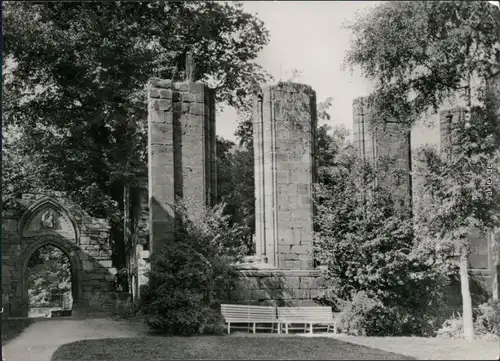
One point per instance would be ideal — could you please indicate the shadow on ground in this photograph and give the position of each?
(13, 328)
(219, 348)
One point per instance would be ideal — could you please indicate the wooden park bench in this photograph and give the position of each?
(310, 315)
(249, 315)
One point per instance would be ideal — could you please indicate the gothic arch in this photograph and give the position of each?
(48, 202)
(68, 248)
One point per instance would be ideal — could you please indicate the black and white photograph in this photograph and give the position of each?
(250, 180)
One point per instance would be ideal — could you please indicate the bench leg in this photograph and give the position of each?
(229, 328)
(286, 328)
(254, 327)
(335, 328)
(279, 328)
(311, 328)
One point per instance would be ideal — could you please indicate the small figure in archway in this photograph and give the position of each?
(48, 220)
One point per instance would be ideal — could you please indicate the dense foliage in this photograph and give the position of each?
(419, 55)
(193, 273)
(371, 246)
(49, 270)
(74, 89)
(235, 187)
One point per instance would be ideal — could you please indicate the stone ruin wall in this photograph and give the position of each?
(284, 175)
(283, 271)
(84, 239)
(181, 151)
(182, 127)
(391, 142)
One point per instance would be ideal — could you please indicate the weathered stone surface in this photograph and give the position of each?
(70, 229)
(160, 83)
(284, 115)
(278, 287)
(391, 143)
(181, 155)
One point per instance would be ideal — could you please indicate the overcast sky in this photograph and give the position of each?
(308, 36)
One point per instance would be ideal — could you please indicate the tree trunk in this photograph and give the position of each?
(466, 297)
(495, 251)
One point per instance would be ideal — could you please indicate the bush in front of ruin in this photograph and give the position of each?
(388, 277)
(190, 277)
(486, 323)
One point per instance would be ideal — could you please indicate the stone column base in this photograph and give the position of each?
(261, 284)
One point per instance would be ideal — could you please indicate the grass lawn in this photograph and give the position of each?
(219, 348)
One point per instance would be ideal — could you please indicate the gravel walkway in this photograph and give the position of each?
(40, 340)
(425, 348)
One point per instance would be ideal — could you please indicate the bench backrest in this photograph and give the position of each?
(306, 313)
(248, 312)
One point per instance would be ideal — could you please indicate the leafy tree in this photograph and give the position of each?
(235, 187)
(419, 54)
(330, 143)
(75, 86)
(370, 246)
(48, 269)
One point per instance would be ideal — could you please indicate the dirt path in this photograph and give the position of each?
(41, 339)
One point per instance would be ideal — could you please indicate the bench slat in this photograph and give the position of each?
(243, 313)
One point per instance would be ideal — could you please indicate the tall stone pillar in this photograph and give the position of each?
(450, 121)
(284, 135)
(363, 138)
(390, 142)
(181, 151)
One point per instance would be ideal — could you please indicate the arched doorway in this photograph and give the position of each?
(49, 282)
(44, 255)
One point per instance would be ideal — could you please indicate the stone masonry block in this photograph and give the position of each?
(162, 176)
(292, 282)
(196, 88)
(197, 109)
(308, 282)
(248, 283)
(199, 97)
(261, 294)
(188, 97)
(284, 248)
(239, 294)
(161, 134)
(166, 94)
(163, 105)
(299, 249)
(301, 293)
(161, 83)
(183, 87)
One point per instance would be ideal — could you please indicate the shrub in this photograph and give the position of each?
(192, 274)
(487, 323)
(452, 328)
(368, 244)
(353, 318)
